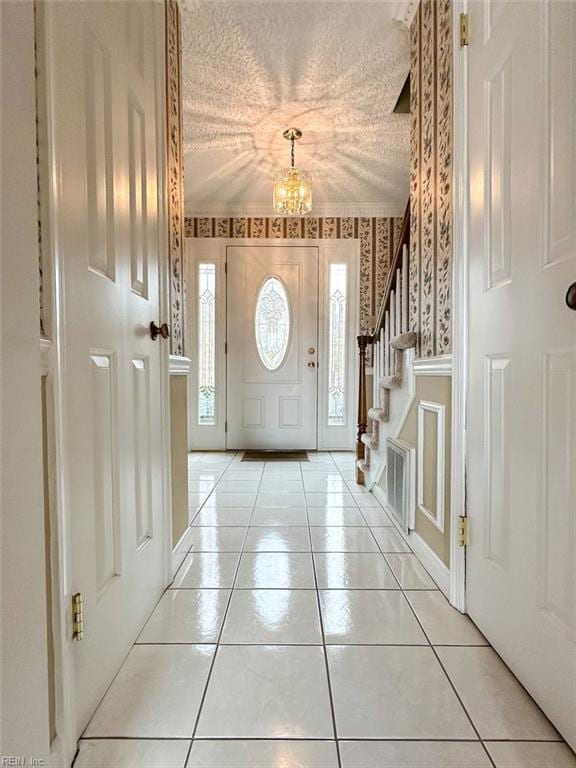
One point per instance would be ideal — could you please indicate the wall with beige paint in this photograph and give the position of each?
(179, 454)
(436, 390)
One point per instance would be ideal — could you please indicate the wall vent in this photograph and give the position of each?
(398, 482)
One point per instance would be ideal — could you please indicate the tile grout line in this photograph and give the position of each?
(321, 620)
(213, 662)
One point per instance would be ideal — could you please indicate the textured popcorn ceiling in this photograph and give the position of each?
(333, 69)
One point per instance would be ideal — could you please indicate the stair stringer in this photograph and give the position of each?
(399, 404)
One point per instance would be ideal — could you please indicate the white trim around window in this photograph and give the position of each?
(213, 251)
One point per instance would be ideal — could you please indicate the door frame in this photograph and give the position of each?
(214, 250)
(53, 354)
(460, 203)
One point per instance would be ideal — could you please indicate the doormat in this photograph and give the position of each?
(275, 456)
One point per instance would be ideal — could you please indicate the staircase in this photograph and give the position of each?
(391, 342)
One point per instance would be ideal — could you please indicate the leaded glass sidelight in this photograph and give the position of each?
(337, 345)
(272, 323)
(206, 344)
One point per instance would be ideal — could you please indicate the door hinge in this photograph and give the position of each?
(225, 267)
(463, 537)
(77, 617)
(225, 426)
(225, 347)
(464, 29)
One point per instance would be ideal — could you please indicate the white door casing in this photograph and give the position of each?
(272, 393)
(331, 253)
(521, 420)
(106, 145)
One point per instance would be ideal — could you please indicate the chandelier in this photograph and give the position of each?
(292, 188)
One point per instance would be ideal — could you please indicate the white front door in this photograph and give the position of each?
(106, 106)
(521, 426)
(272, 346)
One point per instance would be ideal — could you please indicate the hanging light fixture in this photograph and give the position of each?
(292, 188)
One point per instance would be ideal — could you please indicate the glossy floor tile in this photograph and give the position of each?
(369, 617)
(187, 616)
(208, 570)
(132, 753)
(216, 538)
(413, 754)
(215, 516)
(442, 624)
(263, 754)
(393, 692)
(274, 617)
(275, 570)
(156, 694)
(353, 570)
(410, 573)
(300, 631)
(279, 516)
(497, 703)
(526, 754)
(281, 499)
(268, 691)
(277, 539)
(345, 539)
(389, 540)
(336, 516)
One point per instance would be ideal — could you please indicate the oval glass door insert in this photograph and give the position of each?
(272, 323)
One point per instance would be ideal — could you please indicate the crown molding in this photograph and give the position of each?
(404, 11)
(337, 210)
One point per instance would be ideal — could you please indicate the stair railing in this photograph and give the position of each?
(391, 321)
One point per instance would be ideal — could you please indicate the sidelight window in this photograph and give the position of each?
(207, 344)
(338, 287)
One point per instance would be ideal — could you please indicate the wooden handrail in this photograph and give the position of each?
(363, 342)
(391, 279)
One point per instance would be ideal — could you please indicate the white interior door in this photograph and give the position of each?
(272, 346)
(521, 466)
(107, 120)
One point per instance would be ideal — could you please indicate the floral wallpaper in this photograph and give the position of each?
(175, 176)
(378, 237)
(430, 293)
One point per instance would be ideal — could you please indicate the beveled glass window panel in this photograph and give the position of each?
(206, 344)
(338, 288)
(272, 323)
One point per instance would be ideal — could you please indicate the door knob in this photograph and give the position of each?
(162, 330)
(571, 296)
(311, 364)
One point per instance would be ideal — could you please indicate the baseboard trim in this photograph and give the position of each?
(180, 550)
(429, 559)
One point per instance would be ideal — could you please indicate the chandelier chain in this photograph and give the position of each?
(292, 152)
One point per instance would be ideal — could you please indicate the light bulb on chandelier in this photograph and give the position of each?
(292, 187)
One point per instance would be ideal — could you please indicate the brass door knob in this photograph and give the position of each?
(311, 364)
(571, 296)
(163, 331)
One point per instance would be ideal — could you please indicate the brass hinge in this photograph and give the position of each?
(225, 347)
(464, 29)
(463, 538)
(225, 426)
(225, 267)
(77, 617)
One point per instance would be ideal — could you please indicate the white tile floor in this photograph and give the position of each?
(301, 632)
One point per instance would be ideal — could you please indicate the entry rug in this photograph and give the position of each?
(275, 456)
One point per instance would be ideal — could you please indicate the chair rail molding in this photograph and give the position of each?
(180, 365)
(433, 366)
